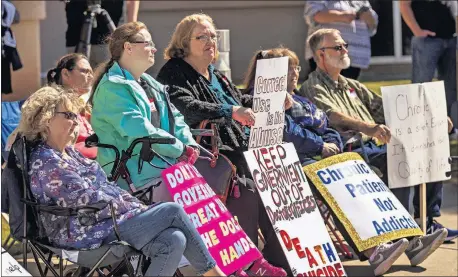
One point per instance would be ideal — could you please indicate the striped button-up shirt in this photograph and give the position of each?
(357, 34)
(345, 96)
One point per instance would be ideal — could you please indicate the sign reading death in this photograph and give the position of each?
(291, 207)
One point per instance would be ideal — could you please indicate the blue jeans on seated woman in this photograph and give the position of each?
(165, 233)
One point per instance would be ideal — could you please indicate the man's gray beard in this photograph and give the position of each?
(338, 62)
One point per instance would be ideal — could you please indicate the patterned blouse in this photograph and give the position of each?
(71, 180)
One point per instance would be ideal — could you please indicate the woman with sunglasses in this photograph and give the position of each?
(73, 71)
(201, 92)
(61, 176)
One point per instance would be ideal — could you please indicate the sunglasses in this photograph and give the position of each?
(337, 47)
(69, 115)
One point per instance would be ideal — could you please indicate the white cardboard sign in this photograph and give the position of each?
(293, 212)
(419, 148)
(268, 100)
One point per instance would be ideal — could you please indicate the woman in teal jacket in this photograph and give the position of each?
(128, 104)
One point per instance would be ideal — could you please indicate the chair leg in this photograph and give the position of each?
(37, 261)
(36, 251)
(24, 253)
(49, 261)
(339, 243)
(97, 265)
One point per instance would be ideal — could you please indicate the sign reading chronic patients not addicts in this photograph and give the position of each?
(367, 208)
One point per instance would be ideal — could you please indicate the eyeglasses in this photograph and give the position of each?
(206, 38)
(69, 115)
(148, 43)
(337, 47)
(297, 68)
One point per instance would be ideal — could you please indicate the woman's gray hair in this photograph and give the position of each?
(315, 40)
(41, 107)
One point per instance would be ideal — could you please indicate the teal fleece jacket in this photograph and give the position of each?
(121, 113)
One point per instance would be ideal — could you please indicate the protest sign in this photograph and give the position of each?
(293, 212)
(368, 210)
(226, 241)
(419, 148)
(268, 100)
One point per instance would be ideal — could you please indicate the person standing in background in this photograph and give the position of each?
(75, 9)
(357, 23)
(433, 45)
(11, 104)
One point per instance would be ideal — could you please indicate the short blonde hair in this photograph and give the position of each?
(179, 43)
(41, 106)
(316, 39)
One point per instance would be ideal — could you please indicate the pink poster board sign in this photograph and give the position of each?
(227, 242)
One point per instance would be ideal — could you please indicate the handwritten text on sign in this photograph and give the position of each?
(268, 100)
(419, 148)
(226, 241)
(291, 207)
(367, 208)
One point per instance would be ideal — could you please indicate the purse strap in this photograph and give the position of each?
(213, 138)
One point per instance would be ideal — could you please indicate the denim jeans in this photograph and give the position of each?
(429, 54)
(164, 233)
(377, 157)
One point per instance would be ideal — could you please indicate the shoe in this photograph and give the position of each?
(385, 255)
(239, 273)
(434, 225)
(261, 267)
(421, 247)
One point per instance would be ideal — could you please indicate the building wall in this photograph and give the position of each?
(253, 25)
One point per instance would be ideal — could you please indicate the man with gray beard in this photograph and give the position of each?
(353, 110)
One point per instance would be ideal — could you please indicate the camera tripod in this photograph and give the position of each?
(90, 21)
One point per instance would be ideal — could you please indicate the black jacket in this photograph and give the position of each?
(190, 93)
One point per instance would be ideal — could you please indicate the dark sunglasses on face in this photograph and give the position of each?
(337, 47)
(69, 115)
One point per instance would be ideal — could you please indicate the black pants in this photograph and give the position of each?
(251, 214)
(351, 72)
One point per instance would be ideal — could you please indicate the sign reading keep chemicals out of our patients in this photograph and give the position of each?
(368, 210)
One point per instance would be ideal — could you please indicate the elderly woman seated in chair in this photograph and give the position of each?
(61, 176)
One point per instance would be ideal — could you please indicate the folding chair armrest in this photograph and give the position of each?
(67, 211)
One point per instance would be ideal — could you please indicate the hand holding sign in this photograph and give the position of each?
(243, 115)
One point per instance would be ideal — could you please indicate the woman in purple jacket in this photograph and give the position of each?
(60, 175)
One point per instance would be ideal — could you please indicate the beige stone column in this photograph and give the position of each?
(27, 32)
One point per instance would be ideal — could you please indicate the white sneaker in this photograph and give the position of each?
(385, 255)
